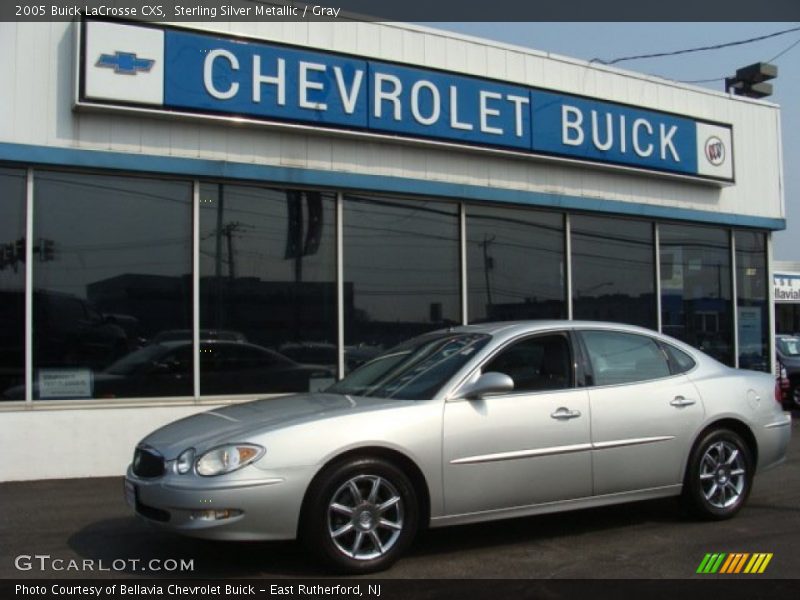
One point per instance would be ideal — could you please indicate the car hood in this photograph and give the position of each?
(237, 422)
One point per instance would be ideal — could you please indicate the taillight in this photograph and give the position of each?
(778, 392)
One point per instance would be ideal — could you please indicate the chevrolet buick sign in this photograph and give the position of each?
(181, 71)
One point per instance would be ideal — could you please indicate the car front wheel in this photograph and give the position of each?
(719, 475)
(361, 515)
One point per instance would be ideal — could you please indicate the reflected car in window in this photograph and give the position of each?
(462, 425)
(165, 369)
(788, 350)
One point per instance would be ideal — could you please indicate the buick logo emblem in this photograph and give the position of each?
(715, 151)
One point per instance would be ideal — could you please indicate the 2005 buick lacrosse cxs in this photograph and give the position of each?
(462, 425)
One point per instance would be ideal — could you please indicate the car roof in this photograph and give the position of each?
(515, 327)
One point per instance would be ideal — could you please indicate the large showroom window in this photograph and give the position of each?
(12, 284)
(752, 300)
(401, 272)
(613, 270)
(112, 287)
(267, 290)
(696, 299)
(515, 264)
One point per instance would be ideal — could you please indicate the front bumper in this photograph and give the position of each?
(254, 505)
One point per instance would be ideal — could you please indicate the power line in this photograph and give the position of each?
(773, 59)
(699, 49)
(782, 52)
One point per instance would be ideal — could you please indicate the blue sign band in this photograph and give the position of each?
(211, 74)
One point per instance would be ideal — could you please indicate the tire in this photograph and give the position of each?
(719, 475)
(348, 528)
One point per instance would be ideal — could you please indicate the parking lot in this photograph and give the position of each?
(87, 519)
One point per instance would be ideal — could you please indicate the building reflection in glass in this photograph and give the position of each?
(401, 270)
(696, 299)
(613, 270)
(515, 264)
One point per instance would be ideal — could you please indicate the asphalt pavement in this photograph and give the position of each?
(83, 520)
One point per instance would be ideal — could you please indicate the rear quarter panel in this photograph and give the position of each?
(747, 397)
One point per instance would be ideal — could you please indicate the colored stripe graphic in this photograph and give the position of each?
(735, 562)
(758, 563)
(741, 562)
(711, 563)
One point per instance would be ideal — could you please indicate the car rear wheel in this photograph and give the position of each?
(361, 515)
(719, 475)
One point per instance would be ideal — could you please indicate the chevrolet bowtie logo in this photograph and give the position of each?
(126, 63)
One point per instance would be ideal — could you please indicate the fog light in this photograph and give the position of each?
(214, 515)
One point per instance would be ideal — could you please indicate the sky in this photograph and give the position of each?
(612, 40)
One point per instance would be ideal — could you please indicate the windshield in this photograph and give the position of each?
(789, 346)
(414, 370)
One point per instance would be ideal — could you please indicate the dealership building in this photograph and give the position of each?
(205, 213)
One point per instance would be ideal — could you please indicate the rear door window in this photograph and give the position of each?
(618, 357)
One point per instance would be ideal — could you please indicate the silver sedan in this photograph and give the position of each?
(463, 425)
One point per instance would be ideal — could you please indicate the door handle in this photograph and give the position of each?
(680, 401)
(563, 413)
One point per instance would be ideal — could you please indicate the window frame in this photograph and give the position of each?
(674, 367)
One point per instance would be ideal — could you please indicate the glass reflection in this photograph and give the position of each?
(267, 290)
(401, 271)
(613, 270)
(696, 297)
(752, 300)
(12, 284)
(111, 271)
(515, 264)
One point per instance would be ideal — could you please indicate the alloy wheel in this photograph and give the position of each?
(723, 474)
(365, 517)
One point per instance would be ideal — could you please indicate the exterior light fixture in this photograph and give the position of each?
(751, 81)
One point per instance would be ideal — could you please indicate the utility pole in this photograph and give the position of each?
(228, 231)
(488, 264)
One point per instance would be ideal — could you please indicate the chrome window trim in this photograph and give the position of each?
(196, 289)
(462, 229)
(657, 263)
(340, 285)
(568, 262)
(29, 288)
(735, 298)
(771, 303)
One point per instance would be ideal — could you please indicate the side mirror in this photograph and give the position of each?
(488, 383)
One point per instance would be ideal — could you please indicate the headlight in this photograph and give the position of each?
(225, 459)
(183, 464)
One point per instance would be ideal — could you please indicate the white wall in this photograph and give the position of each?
(78, 442)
